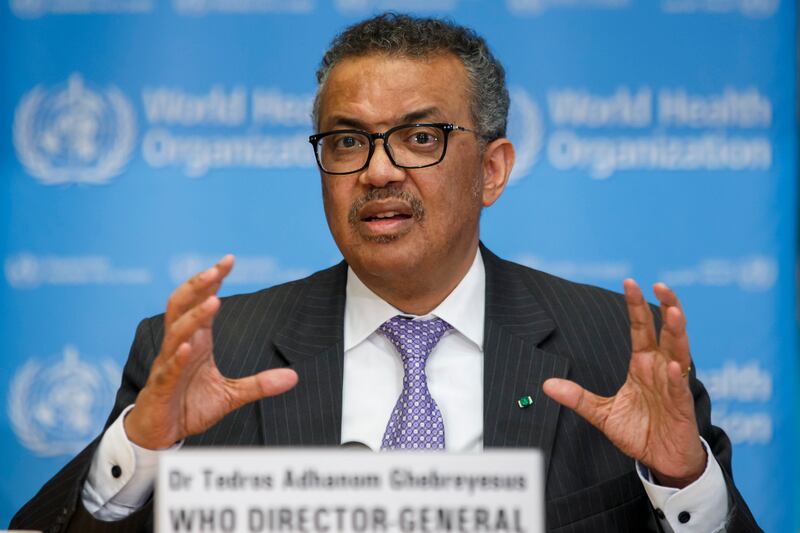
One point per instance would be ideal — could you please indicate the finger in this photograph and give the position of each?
(674, 341)
(261, 385)
(666, 296)
(197, 288)
(180, 331)
(171, 371)
(643, 331)
(590, 406)
(667, 300)
(167, 371)
(678, 387)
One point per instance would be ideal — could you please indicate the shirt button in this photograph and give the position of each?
(116, 471)
(684, 517)
(660, 514)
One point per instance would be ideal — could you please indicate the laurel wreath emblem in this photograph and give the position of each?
(39, 165)
(529, 134)
(31, 390)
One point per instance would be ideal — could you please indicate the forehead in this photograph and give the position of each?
(380, 90)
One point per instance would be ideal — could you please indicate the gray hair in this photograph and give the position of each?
(411, 37)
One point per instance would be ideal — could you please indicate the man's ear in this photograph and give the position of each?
(498, 159)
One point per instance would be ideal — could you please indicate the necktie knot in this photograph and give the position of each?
(414, 339)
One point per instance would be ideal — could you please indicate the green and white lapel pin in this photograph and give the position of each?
(524, 401)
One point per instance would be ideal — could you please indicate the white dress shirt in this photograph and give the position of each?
(373, 370)
(373, 374)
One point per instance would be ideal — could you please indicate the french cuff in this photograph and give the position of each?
(700, 507)
(122, 475)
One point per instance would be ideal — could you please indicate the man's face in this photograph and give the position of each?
(391, 222)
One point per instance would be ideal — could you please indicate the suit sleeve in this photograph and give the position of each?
(57, 506)
(739, 520)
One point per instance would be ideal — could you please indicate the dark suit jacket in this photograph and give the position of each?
(537, 326)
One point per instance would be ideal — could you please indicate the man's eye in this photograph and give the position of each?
(347, 142)
(423, 138)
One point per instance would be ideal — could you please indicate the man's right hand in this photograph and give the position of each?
(185, 393)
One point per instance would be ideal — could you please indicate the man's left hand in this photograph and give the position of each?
(651, 417)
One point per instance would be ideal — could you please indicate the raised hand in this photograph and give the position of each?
(185, 393)
(651, 418)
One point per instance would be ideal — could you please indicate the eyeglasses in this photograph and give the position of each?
(406, 146)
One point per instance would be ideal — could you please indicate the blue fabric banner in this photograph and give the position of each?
(141, 140)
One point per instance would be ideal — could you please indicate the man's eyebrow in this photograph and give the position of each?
(348, 122)
(408, 118)
(417, 116)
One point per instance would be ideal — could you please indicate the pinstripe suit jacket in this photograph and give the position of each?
(537, 326)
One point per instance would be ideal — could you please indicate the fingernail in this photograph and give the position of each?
(628, 289)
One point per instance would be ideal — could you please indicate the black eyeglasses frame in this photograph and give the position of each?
(446, 127)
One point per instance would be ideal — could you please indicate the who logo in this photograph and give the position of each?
(526, 131)
(58, 405)
(73, 133)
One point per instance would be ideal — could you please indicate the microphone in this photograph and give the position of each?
(355, 445)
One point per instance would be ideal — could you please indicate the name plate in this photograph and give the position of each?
(337, 490)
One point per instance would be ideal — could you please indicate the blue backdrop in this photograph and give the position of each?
(141, 140)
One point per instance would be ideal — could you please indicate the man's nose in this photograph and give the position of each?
(381, 171)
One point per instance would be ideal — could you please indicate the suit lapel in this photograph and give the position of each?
(514, 364)
(312, 344)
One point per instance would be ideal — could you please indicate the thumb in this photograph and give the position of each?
(261, 385)
(590, 406)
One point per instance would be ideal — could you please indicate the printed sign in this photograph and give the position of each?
(261, 491)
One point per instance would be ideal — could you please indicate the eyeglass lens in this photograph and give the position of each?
(411, 146)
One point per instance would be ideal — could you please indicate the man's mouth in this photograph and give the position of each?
(384, 215)
(379, 220)
(387, 215)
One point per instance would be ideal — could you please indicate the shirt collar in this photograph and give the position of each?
(464, 308)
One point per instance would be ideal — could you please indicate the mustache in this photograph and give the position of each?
(384, 193)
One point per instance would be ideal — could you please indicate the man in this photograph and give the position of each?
(411, 115)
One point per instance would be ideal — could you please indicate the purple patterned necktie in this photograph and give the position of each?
(416, 421)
